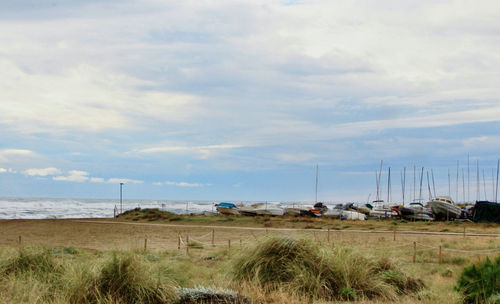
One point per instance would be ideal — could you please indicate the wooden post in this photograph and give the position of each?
(241, 244)
(187, 244)
(229, 244)
(145, 244)
(178, 241)
(394, 239)
(464, 232)
(20, 240)
(440, 256)
(328, 235)
(267, 231)
(114, 212)
(414, 252)
(213, 237)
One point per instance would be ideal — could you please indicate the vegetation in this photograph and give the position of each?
(307, 269)
(481, 283)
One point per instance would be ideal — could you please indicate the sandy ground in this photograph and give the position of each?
(108, 234)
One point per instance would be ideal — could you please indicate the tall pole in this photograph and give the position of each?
(403, 183)
(484, 187)
(478, 185)
(421, 178)
(468, 179)
(316, 196)
(429, 186)
(121, 201)
(492, 184)
(496, 186)
(449, 183)
(414, 181)
(456, 194)
(433, 184)
(389, 186)
(379, 180)
(463, 185)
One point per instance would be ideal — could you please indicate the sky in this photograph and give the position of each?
(240, 100)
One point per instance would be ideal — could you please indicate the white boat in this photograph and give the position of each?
(227, 208)
(444, 207)
(379, 209)
(352, 215)
(333, 213)
(296, 210)
(262, 209)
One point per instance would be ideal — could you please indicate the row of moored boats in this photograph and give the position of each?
(441, 207)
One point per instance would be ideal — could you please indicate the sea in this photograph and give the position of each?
(58, 208)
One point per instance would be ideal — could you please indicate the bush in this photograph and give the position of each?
(480, 283)
(35, 260)
(124, 279)
(305, 268)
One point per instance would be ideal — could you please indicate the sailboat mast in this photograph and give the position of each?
(403, 183)
(433, 184)
(429, 186)
(316, 192)
(379, 180)
(414, 181)
(449, 183)
(421, 178)
(468, 178)
(478, 189)
(389, 186)
(463, 185)
(456, 194)
(496, 186)
(484, 187)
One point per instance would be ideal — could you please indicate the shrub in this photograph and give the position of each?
(124, 279)
(35, 260)
(479, 283)
(209, 295)
(303, 267)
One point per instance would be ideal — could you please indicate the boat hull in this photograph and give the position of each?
(444, 210)
(228, 211)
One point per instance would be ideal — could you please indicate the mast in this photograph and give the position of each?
(379, 180)
(463, 185)
(468, 179)
(496, 186)
(421, 178)
(316, 196)
(433, 184)
(449, 183)
(492, 184)
(389, 186)
(403, 183)
(456, 197)
(484, 187)
(429, 186)
(478, 189)
(414, 181)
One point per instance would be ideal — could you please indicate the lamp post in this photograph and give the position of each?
(121, 202)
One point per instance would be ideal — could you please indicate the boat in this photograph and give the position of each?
(296, 210)
(444, 207)
(262, 209)
(227, 208)
(379, 209)
(352, 215)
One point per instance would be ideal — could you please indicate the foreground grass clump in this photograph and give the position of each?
(481, 283)
(306, 269)
(209, 295)
(125, 278)
(33, 260)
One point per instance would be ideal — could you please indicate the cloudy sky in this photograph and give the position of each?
(241, 99)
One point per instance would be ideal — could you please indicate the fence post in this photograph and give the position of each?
(178, 241)
(187, 244)
(213, 237)
(394, 239)
(464, 232)
(20, 240)
(440, 256)
(145, 244)
(328, 238)
(414, 252)
(241, 244)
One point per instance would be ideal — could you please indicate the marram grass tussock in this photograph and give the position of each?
(305, 268)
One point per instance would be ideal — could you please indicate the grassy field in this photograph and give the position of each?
(79, 251)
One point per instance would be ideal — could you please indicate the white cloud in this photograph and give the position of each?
(42, 172)
(74, 176)
(2, 170)
(123, 180)
(97, 180)
(157, 183)
(6, 154)
(185, 184)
